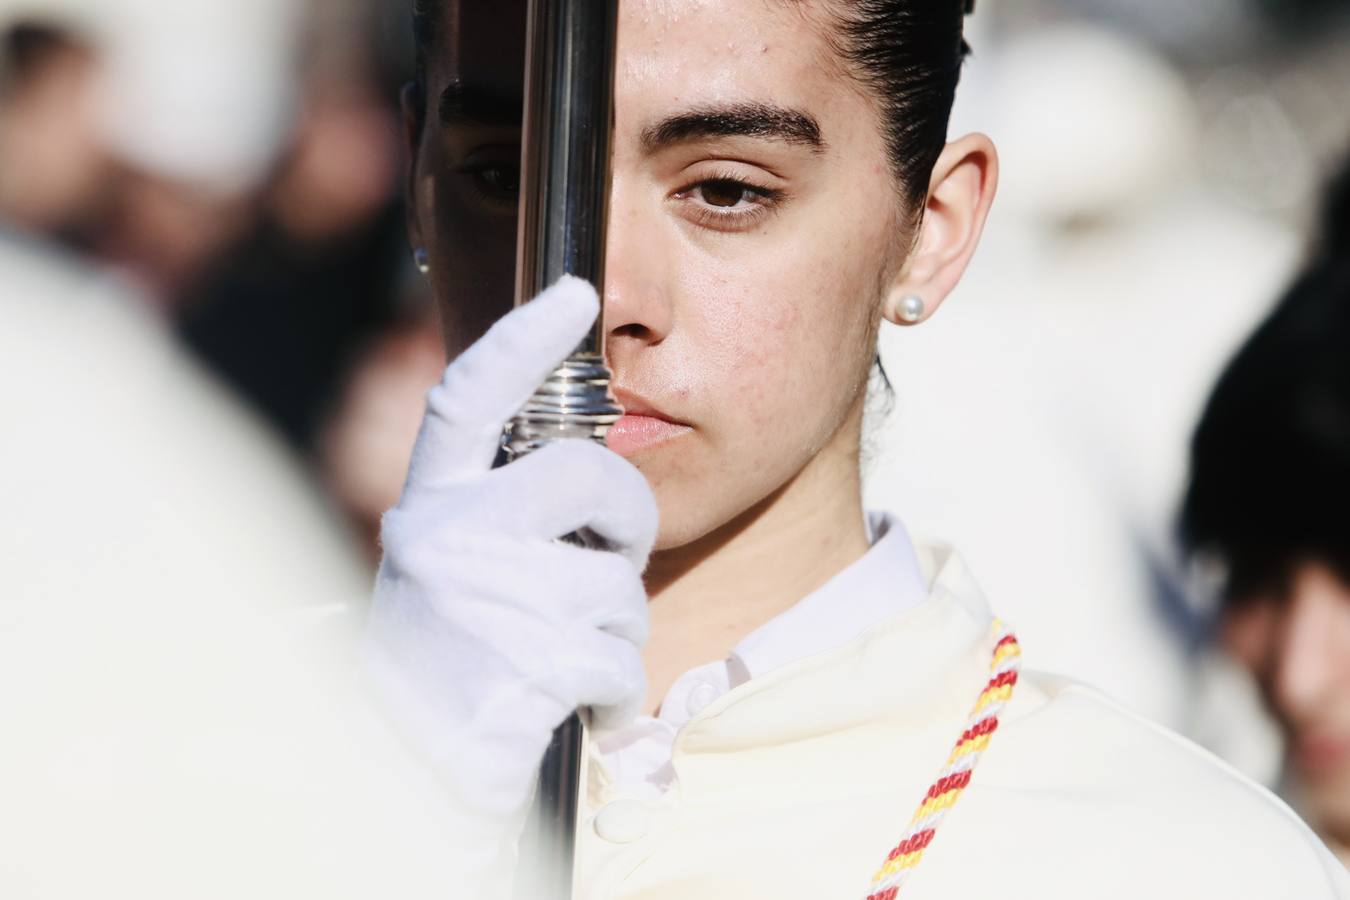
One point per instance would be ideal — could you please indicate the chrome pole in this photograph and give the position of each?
(564, 205)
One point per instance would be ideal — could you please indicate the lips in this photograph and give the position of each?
(643, 425)
(1320, 754)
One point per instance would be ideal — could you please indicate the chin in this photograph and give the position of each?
(683, 491)
(1323, 795)
(684, 521)
(691, 507)
(1328, 810)
(706, 508)
(704, 489)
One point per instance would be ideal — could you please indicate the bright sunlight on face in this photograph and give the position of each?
(754, 223)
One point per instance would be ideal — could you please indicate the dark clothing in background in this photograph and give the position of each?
(280, 321)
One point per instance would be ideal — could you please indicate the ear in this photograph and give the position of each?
(414, 115)
(959, 195)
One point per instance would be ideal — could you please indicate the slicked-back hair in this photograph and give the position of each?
(426, 25)
(907, 53)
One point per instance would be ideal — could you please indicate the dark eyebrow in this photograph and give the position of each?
(477, 104)
(736, 120)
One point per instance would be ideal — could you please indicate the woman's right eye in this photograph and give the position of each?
(726, 194)
(491, 173)
(727, 203)
(497, 182)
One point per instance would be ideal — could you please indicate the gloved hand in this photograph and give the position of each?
(486, 632)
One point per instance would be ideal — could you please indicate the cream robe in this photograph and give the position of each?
(797, 784)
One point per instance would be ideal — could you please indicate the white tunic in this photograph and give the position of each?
(884, 582)
(798, 782)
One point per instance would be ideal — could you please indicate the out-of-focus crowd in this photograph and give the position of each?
(238, 171)
(214, 344)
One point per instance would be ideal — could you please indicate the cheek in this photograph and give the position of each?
(1246, 634)
(1338, 654)
(753, 335)
(473, 263)
(786, 326)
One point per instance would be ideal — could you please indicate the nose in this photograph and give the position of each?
(639, 313)
(1310, 648)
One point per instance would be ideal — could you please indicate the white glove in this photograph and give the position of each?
(486, 633)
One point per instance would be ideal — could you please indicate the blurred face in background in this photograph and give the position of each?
(53, 168)
(755, 229)
(60, 179)
(1295, 639)
(164, 234)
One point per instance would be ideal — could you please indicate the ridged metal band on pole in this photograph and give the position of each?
(565, 175)
(565, 168)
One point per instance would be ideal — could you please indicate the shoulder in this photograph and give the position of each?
(1137, 787)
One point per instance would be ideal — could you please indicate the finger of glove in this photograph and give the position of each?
(490, 382)
(604, 673)
(562, 489)
(523, 601)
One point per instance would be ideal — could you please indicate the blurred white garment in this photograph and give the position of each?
(202, 92)
(191, 91)
(178, 703)
(120, 457)
(1055, 393)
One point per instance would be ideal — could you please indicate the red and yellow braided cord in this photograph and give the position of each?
(955, 777)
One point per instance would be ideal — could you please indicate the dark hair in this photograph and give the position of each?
(426, 23)
(1270, 460)
(907, 52)
(25, 45)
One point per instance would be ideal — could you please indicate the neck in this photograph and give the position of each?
(708, 595)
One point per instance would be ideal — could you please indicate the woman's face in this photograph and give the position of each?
(754, 230)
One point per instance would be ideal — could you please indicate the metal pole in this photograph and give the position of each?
(564, 204)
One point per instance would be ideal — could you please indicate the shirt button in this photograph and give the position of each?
(623, 821)
(701, 697)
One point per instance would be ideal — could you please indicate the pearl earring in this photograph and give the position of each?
(422, 259)
(911, 309)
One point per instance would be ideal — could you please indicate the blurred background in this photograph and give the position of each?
(246, 190)
(1164, 170)
(214, 344)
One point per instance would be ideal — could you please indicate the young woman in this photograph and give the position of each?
(777, 679)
